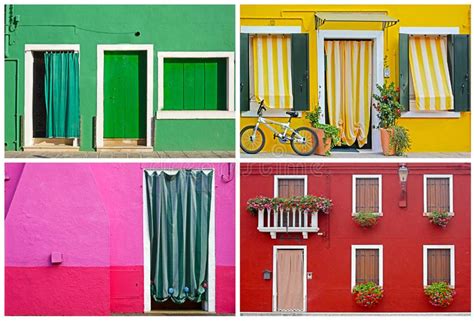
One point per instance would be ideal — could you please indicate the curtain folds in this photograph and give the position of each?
(272, 70)
(179, 208)
(349, 88)
(62, 94)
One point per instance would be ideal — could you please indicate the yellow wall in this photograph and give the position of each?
(427, 135)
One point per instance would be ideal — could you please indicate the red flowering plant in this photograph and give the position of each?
(366, 219)
(388, 105)
(259, 203)
(440, 294)
(279, 203)
(439, 218)
(309, 203)
(367, 294)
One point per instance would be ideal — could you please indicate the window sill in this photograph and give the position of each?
(427, 214)
(280, 113)
(431, 114)
(195, 114)
(378, 214)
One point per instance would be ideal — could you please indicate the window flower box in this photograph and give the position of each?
(367, 294)
(440, 294)
(366, 220)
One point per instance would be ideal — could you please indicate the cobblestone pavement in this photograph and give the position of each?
(174, 154)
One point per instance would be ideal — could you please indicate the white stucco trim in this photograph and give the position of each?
(354, 191)
(228, 55)
(278, 177)
(354, 248)
(270, 29)
(275, 273)
(429, 30)
(99, 135)
(195, 114)
(430, 114)
(28, 94)
(425, 194)
(378, 61)
(452, 264)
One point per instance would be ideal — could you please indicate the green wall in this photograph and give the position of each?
(168, 28)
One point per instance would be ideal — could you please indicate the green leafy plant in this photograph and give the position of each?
(400, 140)
(438, 218)
(259, 203)
(367, 294)
(306, 203)
(440, 294)
(330, 131)
(366, 219)
(388, 105)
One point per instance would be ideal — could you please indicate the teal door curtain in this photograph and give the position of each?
(179, 205)
(62, 94)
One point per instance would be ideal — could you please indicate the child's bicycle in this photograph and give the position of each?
(303, 140)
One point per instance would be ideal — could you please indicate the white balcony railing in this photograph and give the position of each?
(287, 221)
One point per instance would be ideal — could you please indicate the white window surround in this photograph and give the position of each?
(278, 177)
(210, 305)
(265, 30)
(29, 49)
(378, 67)
(275, 273)
(430, 31)
(452, 266)
(101, 49)
(353, 261)
(354, 194)
(197, 114)
(425, 200)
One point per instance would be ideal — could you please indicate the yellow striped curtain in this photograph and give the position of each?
(272, 70)
(349, 88)
(430, 73)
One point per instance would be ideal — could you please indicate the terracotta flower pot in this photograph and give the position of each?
(324, 145)
(385, 135)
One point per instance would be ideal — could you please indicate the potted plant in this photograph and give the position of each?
(438, 218)
(440, 294)
(366, 219)
(328, 135)
(394, 139)
(367, 294)
(259, 203)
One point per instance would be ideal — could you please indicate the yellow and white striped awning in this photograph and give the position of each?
(430, 73)
(272, 70)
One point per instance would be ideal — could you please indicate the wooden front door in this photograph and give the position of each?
(125, 94)
(290, 280)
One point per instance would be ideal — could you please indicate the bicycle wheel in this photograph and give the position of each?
(307, 145)
(249, 145)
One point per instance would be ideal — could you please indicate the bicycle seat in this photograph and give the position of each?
(292, 113)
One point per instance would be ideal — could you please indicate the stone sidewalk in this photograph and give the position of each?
(173, 154)
(357, 155)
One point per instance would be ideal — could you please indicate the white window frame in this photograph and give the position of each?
(378, 67)
(425, 194)
(197, 114)
(101, 49)
(265, 30)
(354, 249)
(278, 177)
(451, 267)
(354, 192)
(210, 305)
(29, 61)
(442, 31)
(275, 274)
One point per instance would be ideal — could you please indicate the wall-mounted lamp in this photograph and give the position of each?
(403, 175)
(267, 274)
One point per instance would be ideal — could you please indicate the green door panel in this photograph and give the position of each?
(195, 84)
(125, 94)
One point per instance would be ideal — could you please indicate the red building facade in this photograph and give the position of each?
(403, 252)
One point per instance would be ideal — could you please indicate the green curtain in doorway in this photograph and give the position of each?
(61, 86)
(179, 208)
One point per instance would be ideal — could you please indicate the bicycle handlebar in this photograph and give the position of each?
(259, 112)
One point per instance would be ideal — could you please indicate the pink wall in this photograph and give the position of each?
(93, 214)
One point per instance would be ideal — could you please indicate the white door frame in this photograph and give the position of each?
(210, 305)
(275, 273)
(28, 112)
(378, 63)
(99, 134)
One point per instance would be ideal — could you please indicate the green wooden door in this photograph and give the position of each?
(125, 94)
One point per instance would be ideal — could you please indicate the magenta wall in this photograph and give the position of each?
(93, 214)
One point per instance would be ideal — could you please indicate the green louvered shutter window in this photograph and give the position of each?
(459, 67)
(300, 71)
(244, 72)
(404, 70)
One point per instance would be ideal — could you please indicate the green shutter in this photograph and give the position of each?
(404, 71)
(244, 72)
(459, 67)
(299, 71)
